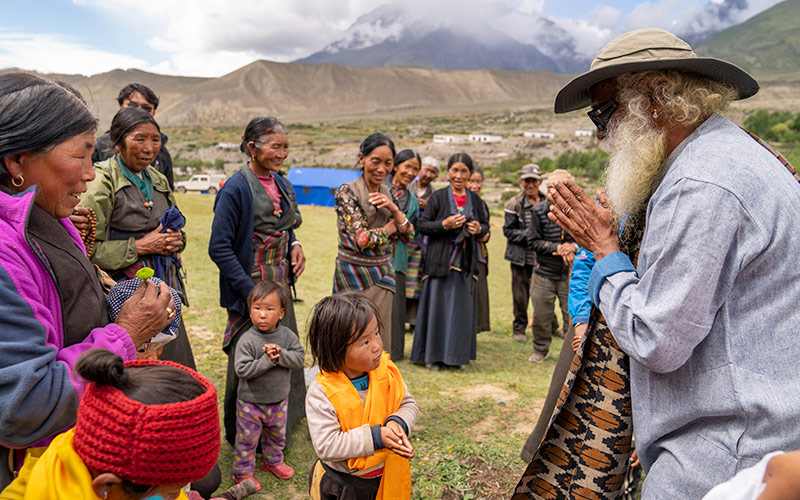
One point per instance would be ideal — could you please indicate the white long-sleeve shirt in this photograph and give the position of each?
(335, 447)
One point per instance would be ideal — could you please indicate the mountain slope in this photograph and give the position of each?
(328, 90)
(768, 43)
(294, 91)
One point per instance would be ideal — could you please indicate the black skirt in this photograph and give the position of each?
(447, 321)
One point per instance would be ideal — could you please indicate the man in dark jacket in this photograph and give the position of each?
(136, 95)
(518, 213)
(555, 250)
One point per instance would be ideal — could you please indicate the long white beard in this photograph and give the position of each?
(637, 150)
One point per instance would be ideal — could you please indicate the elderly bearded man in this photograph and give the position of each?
(709, 315)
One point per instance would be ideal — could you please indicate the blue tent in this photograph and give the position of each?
(317, 186)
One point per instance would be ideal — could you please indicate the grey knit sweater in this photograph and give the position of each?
(261, 380)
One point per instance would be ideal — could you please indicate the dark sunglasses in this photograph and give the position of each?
(601, 114)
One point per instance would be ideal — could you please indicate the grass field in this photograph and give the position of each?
(472, 423)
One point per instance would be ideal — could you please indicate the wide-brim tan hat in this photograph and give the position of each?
(644, 50)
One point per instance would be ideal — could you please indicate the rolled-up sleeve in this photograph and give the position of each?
(698, 237)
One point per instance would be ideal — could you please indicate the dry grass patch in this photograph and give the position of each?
(492, 392)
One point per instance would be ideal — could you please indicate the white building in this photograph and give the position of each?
(538, 135)
(447, 139)
(485, 138)
(584, 133)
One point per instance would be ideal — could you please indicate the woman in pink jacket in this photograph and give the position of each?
(53, 303)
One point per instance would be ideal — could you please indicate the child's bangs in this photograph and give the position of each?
(363, 312)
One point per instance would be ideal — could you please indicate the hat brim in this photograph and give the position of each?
(575, 94)
(530, 176)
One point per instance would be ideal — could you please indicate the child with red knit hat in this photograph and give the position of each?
(145, 428)
(264, 357)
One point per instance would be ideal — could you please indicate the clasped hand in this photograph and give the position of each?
(590, 224)
(157, 243)
(458, 220)
(395, 439)
(567, 252)
(273, 351)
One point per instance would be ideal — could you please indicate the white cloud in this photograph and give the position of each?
(214, 37)
(588, 37)
(49, 53)
(530, 6)
(693, 18)
(605, 17)
(655, 15)
(209, 38)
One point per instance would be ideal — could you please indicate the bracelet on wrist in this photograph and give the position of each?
(404, 223)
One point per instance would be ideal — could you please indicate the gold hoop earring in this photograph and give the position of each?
(253, 158)
(105, 494)
(14, 181)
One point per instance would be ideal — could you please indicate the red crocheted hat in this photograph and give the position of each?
(174, 443)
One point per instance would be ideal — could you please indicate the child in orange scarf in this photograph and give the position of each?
(358, 408)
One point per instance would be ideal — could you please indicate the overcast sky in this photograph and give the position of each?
(214, 37)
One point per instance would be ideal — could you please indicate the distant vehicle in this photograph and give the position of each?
(201, 182)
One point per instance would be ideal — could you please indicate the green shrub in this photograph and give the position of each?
(793, 157)
(508, 170)
(181, 163)
(588, 164)
(509, 179)
(507, 195)
(779, 126)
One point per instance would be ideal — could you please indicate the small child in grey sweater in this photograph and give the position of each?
(264, 356)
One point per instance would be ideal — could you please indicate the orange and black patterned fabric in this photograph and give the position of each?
(586, 449)
(585, 452)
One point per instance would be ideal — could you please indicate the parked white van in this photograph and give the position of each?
(201, 182)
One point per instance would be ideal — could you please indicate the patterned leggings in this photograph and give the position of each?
(254, 420)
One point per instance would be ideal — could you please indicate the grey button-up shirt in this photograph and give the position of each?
(710, 317)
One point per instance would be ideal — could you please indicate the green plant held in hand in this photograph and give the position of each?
(145, 273)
